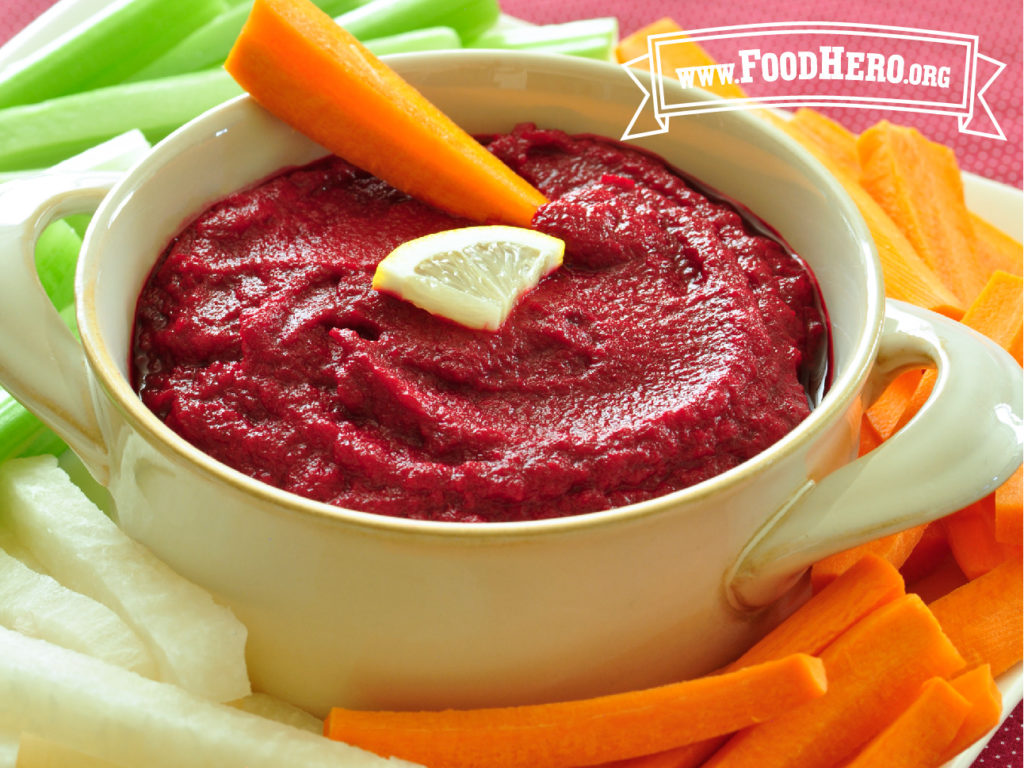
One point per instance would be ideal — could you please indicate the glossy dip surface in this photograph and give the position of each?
(677, 340)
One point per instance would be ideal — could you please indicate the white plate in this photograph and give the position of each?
(1001, 204)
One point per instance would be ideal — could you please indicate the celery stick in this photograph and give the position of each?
(208, 46)
(593, 38)
(56, 256)
(79, 222)
(41, 134)
(382, 18)
(429, 39)
(105, 49)
(21, 433)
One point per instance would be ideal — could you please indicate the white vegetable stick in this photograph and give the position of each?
(273, 708)
(36, 605)
(107, 712)
(13, 548)
(36, 752)
(8, 748)
(195, 642)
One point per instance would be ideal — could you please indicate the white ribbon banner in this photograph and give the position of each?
(821, 64)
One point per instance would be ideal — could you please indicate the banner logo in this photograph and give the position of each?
(820, 64)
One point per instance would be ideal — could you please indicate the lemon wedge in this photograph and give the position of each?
(473, 275)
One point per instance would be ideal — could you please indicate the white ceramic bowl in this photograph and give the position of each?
(350, 608)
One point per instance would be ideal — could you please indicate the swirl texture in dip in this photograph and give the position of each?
(676, 341)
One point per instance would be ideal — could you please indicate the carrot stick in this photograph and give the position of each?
(314, 75)
(917, 182)
(869, 437)
(979, 688)
(865, 586)
(875, 669)
(971, 533)
(929, 553)
(831, 137)
(997, 312)
(995, 249)
(1009, 527)
(907, 277)
(587, 731)
(675, 56)
(895, 548)
(886, 412)
(921, 733)
(983, 617)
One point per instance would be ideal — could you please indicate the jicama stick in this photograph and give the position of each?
(104, 711)
(42, 134)
(678, 55)
(196, 643)
(983, 617)
(1009, 527)
(917, 182)
(37, 605)
(979, 688)
(592, 38)
(882, 659)
(895, 548)
(36, 752)
(590, 730)
(105, 49)
(315, 76)
(920, 734)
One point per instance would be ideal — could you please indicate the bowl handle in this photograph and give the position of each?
(41, 362)
(963, 443)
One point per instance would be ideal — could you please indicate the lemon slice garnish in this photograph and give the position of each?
(473, 275)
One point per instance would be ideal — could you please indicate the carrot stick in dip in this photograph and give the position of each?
(301, 66)
(587, 731)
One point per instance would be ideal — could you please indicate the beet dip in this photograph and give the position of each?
(677, 340)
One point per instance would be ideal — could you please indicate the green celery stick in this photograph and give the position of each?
(41, 134)
(383, 18)
(105, 49)
(593, 38)
(21, 433)
(428, 39)
(79, 222)
(208, 46)
(56, 256)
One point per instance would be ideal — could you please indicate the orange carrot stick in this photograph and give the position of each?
(865, 586)
(917, 182)
(832, 138)
(971, 533)
(875, 669)
(674, 56)
(997, 312)
(921, 733)
(995, 249)
(983, 617)
(887, 411)
(1009, 527)
(314, 75)
(979, 688)
(895, 548)
(929, 553)
(907, 277)
(869, 437)
(587, 731)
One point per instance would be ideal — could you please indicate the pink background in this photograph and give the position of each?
(996, 23)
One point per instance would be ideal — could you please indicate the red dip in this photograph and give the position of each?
(678, 339)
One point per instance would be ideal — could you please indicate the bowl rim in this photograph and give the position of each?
(163, 439)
